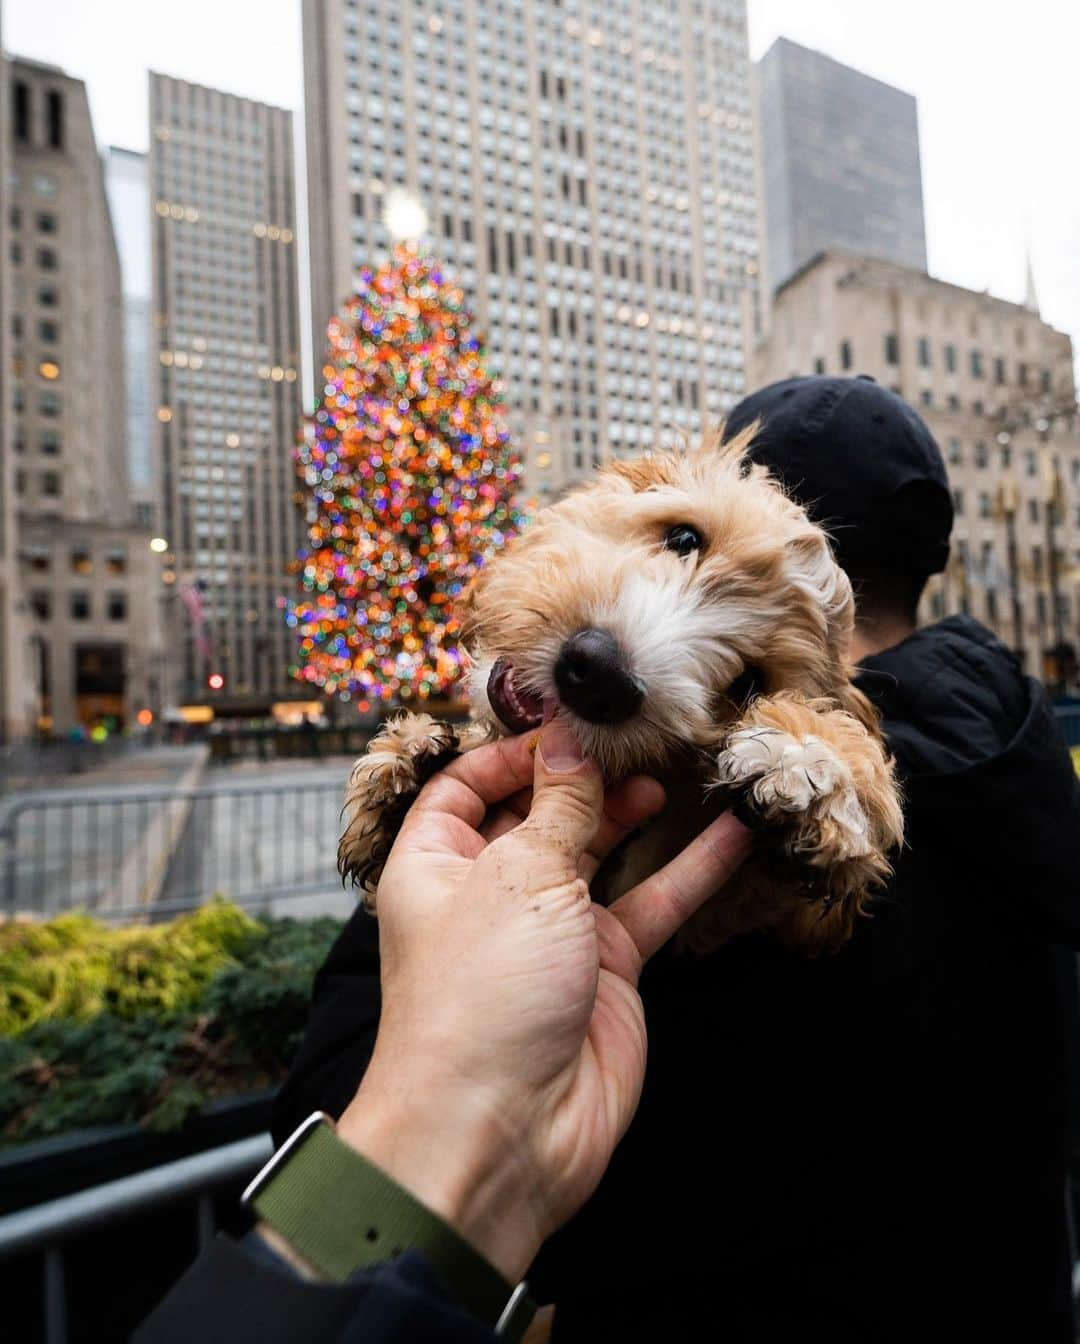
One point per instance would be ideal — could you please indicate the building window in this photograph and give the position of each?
(950, 359)
(46, 296)
(845, 354)
(892, 348)
(54, 111)
(982, 455)
(1033, 510)
(48, 332)
(999, 371)
(958, 502)
(49, 404)
(926, 397)
(819, 365)
(41, 604)
(924, 353)
(116, 560)
(984, 504)
(1046, 380)
(20, 110)
(38, 558)
(1030, 464)
(1036, 561)
(82, 562)
(1006, 457)
(50, 484)
(116, 606)
(46, 223)
(79, 605)
(953, 401)
(955, 454)
(46, 258)
(976, 364)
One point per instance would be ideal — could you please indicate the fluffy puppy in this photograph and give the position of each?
(689, 621)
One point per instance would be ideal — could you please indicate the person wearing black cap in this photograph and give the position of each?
(866, 1147)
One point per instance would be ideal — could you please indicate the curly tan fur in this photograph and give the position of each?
(762, 595)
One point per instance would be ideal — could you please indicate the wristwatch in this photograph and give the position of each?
(342, 1213)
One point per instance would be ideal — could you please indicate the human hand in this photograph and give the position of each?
(511, 1050)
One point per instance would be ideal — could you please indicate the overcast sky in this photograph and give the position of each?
(997, 84)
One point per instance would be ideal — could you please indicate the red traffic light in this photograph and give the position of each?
(215, 681)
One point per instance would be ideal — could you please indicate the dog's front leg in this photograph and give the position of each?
(400, 759)
(820, 782)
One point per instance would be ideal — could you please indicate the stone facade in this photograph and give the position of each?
(995, 384)
(16, 698)
(87, 664)
(591, 179)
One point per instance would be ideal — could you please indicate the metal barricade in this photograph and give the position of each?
(121, 855)
(45, 1229)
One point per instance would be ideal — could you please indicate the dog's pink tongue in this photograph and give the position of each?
(551, 705)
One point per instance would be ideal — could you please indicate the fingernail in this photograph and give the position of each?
(560, 748)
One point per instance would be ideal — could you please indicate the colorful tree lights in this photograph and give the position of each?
(409, 478)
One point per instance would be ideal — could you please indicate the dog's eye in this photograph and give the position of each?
(683, 539)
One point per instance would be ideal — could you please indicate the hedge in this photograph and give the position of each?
(146, 1024)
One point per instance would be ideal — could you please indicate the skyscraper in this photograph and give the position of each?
(15, 706)
(840, 153)
(127, 184)
(85, 571)
(589, 174)
(226, 332)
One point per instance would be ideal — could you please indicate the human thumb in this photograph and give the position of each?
(568, 792)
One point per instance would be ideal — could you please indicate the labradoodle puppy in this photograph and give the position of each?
(690, 622)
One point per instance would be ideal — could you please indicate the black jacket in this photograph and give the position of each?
(868, 1146)
(241, 1293)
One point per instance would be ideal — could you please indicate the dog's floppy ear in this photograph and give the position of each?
(813, 570)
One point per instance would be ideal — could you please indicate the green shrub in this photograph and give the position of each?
(214, 1005)
(74, 967)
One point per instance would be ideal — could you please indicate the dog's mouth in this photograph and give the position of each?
(517, 708)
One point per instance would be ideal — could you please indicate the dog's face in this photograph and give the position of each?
(640, 605)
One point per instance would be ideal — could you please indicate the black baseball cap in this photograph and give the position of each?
(861, 462)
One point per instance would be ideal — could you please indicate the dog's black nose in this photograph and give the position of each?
(593, 679)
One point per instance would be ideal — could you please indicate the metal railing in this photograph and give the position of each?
(45, 1229)
(121, 855)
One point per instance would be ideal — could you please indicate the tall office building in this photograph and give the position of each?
(840, 154)
(995, 384)
(86, 571)
(226, 332)
(128, 187)
(587, 170)
(16, 707)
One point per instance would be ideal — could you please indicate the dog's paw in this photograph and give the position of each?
(796, 783)
(401, 758)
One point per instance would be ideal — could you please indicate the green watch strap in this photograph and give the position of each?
(342, 1213)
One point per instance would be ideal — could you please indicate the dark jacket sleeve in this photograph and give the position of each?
(232, 1296)
(340, 1032)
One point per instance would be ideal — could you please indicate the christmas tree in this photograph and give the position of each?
(408, 476)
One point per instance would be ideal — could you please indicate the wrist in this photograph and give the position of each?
(458, 1158)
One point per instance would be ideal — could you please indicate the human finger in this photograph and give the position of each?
(656, 908)
(474, 782)
(568, 794)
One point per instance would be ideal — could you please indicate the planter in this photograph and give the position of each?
(48, 1168)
